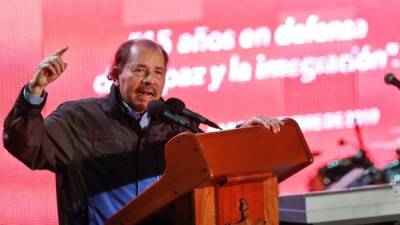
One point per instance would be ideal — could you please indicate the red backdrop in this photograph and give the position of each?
(320, 62)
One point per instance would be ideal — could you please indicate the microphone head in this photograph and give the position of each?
(156, 108)
(389, 78)
(175, 105)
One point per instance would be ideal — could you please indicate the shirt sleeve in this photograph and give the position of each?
(33, 99)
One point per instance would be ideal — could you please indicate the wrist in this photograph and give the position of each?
(35, 89)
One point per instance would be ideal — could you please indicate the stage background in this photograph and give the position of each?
(320, 62)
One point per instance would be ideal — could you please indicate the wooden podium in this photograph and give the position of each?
(220, 178)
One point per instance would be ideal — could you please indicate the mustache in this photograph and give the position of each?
(148, 89)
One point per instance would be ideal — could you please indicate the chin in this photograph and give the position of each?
(141, 105)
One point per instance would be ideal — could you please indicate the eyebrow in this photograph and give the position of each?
(139, 65)
(160, 68)
(143, 65)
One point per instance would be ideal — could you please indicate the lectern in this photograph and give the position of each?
(220, 178)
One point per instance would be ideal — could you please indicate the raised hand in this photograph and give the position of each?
(48, 71)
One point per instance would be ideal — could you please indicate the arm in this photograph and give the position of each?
(25, 135)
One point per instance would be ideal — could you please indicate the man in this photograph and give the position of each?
(104, 151)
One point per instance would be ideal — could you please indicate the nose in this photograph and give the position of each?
(148, 79)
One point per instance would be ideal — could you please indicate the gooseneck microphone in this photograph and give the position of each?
(391, 79)
(159, 111)
(178, 106)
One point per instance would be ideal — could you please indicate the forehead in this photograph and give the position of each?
(148, 55)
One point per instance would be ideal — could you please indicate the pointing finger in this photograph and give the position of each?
(61, 51)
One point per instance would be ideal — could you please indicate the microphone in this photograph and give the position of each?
(178, 106)
(391, 79)
(158, 110)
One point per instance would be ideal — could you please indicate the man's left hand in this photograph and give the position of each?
(271, 124)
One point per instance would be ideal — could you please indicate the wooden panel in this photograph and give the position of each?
(228, 201)
(205, 206)
(220, 204)
(271, 200)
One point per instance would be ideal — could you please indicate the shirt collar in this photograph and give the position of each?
(144, 119)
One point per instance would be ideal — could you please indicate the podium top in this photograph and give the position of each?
(253, 150)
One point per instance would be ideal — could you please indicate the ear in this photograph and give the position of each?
(115, 74)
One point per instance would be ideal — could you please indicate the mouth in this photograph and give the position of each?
(148, 92)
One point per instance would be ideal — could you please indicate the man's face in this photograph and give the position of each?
(142, 78)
